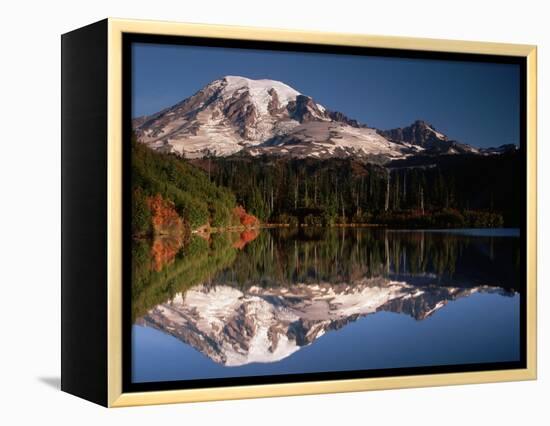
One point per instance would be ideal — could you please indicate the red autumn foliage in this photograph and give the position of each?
(165, 218)
(246, 237)
(245, 218)
(163, 251)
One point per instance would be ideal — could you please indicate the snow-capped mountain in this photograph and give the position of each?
(499, 149)
(240, 115)
(424, 135)
(237, 327)
(227, 116)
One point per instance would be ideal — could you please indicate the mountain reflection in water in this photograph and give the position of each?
(259, 300)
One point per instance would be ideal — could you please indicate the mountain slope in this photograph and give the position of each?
(267, 117)
(237, 327)
(258, 117)
(422, 134)
(226, 116)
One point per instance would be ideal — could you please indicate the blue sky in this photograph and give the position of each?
(474, 103)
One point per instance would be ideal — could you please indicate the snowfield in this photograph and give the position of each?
(235, 327)
(238, 114)
(258, 91)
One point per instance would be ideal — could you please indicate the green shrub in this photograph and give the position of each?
(141, 214)
(195, 197)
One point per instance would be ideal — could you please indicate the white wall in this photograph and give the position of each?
(30, 199)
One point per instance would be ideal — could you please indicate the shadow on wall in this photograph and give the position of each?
(54, 382)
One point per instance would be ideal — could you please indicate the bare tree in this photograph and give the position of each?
(388, 181)
(315, 189)
(396, 196)
(296, 193)
(422, 199)
(405, 187)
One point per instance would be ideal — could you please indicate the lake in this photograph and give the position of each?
(305, 300)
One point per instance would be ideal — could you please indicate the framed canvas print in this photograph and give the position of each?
(250, 212)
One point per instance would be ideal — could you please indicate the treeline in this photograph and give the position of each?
(286, 256)
(192, 265)
(308, 255)
(458, 191)
(193, 196)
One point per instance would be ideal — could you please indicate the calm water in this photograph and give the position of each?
(285, 301)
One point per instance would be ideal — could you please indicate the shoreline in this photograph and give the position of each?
(214, 230)
(205, 231)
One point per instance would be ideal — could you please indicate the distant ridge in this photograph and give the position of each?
(236, 114)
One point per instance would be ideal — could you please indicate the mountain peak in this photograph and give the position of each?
(236, 327)
(422, 134)
(268, 117)
(259, 90)
(239, 80)
(419, 133)
(421, 123)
